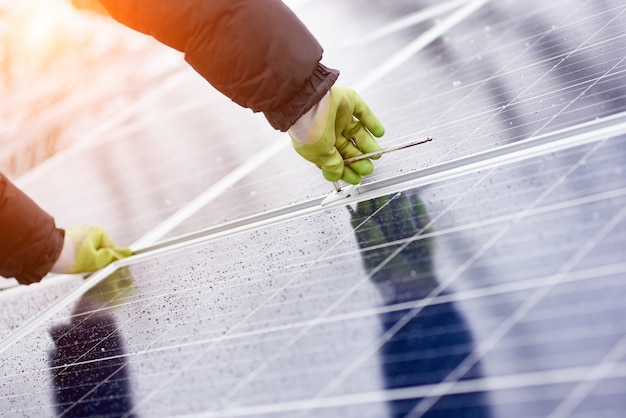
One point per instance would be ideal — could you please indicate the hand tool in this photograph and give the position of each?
(381, 152)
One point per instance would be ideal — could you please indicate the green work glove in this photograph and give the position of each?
(86, 249)
(340, 126)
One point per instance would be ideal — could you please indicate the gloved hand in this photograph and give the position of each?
(340, 126)
(86, 249)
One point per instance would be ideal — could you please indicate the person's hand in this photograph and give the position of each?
(87, 249)
(340, 126)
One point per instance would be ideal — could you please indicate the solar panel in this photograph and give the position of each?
(461, 294)
(511, 87)
(479, 275)
(19, 304)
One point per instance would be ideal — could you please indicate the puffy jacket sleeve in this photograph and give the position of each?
(30, 243)
(257, 52)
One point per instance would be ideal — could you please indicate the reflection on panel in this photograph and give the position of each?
(20, 304)
(507, 72)
(158, 160)
(494, 294)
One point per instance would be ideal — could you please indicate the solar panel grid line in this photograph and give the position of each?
(566, 138)
(53, 309)
(10, 341)
(171, 80)
(146, 347)
(252, 312)
(510, 217)
(425, 39)
(574, 308)
(412, 19)
(597, 48)
(565, 89)
(11, 301)
(481, 83)
(516, 98)
(209, 195)
(583, 110)
(78, 362)
(444, 27)
(572, 203)
(583, 93)
(511, 26)
(424, 405)
(586, 386)
(460, 296)
(300, 334)
(497, 383)
(104, 381)
(128, 357)
(446, 282)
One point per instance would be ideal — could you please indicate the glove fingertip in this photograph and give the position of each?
(331, 176)
(377, 129)
(350, 176)
(363, 167)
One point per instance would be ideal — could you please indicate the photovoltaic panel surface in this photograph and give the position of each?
(21, 304)
(495, 292)
(509, 72)
(504, 73)
(479, 294)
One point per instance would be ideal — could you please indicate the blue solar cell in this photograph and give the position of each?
(492, 291)
(388, 305)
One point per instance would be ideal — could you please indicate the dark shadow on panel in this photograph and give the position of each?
(88, 364)
(432, 343)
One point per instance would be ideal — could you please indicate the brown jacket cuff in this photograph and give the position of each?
(41, 264)
(311, 92)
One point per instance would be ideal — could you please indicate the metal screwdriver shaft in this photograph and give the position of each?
(381, 152)
(387, 150)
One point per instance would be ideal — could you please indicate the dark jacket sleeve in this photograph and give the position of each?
(257, 52)
(30, 243)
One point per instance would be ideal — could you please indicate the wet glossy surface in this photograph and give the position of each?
(507, 72)
(511, 71)
(469, 296)
(497, 293)
(19, 304)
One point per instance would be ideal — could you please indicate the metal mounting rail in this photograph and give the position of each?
(567, 138)
(597, 130)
